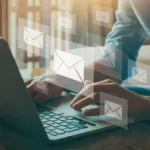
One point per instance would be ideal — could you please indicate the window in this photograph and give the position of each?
(48, 13)
(44, 12)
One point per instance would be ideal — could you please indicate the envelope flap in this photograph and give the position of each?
(139, 71)
(33, 33)
(113, 106)
(68, 59)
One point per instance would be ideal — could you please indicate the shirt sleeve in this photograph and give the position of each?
(126, 38)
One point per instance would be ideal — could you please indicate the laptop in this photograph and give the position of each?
(18, 111)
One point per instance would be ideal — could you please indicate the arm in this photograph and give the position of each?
(138, 106)
(126, 38)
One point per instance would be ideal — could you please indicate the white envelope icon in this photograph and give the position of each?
(139, 74)
(109, 58)
(113, 110)
(69, 65)
(102, 16)
(64, 22)
(33, 37)
(65, 4)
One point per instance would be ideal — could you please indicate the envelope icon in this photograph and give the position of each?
(64, 22)
(69, 65)
(139, 74)
(109, 58)
(113, 110)
(66, 4)
(102, 16)
(33, 37)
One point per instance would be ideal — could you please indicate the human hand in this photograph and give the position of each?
(52, 90)
(90, 94)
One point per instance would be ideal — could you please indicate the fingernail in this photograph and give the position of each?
(75, 107)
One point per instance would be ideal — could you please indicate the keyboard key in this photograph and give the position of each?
(45, 125)
(70, 126)
(64, 124)
(50, 128)
(58, 131)
(46, 117)
(62, 127)
(52, 133)
(57, 116)
(75, 120)
(79, 125)
(44, 120)
(55, 125)
(70, 117)
(68, 121)
(52, 119)
(62, 118)
(58, 121)
(49, 122)
(71, 130)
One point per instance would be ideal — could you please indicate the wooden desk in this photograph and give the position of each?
(136, 138)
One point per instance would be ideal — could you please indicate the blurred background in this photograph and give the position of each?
(46, 12)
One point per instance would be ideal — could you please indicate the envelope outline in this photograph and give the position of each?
(33, 37)
(110, 58)
(70, 66)
(64, 4)
(102, 16)
(113, 110)
(139, 74)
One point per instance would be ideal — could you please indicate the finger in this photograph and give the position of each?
(92, 99)
(28, 82)
(97, 87)
(82, 94)
(92, 112)
(40, 97)
(31, 87)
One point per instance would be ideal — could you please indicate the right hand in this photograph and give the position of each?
(53, 91)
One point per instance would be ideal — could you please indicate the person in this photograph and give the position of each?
(131, 30)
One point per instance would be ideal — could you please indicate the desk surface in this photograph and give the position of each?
(137, 137)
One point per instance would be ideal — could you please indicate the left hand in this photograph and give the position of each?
(107, 86)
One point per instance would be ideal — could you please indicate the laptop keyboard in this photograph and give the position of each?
(56, 123)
